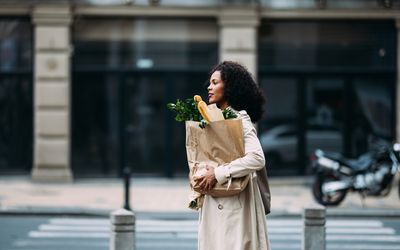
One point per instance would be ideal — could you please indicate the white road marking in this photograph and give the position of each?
(283, 234)
(37, 234)
(362, 247)
(365, 238)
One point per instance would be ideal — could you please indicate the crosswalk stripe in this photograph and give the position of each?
(329, 223)
(337, 246)
(278, 222)
(53, 243)
(297, 230)
(296, 237)
(361, 247)
(71, 221)
(365, 238)
(182, 234)
(357, 223)
(141, 245)
(281, 230)
(270, 222)
(173, 227)
(189, 223)
(165, 245)
(73, 228)
(374, 231)
(285, 245)
(37, 234)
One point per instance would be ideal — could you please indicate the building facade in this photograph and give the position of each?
(84, 84)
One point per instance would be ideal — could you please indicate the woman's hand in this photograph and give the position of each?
(208, 180)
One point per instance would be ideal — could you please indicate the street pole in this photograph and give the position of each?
(127, 180)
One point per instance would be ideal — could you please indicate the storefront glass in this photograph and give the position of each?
(328, 79)
(124, 74)
(189, 3)
(271, 4)
(277, 130)
(16, 102)
(329, 4)
(332, 45)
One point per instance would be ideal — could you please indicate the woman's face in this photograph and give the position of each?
(216, 90)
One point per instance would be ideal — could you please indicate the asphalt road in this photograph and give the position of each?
(156, 233)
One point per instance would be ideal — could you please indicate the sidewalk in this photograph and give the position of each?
(159, 195)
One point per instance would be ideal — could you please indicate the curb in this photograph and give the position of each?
(364, 212)
(79, 212)
(189, 215)
(46, 211)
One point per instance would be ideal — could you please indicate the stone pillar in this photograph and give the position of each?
(122, 230)
(314, 228)
(51, 90)
(238, 37)
(398, 83)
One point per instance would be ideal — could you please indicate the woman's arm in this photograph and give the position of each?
(253, 159)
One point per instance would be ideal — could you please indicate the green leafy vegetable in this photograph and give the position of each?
(203, 123)
(186, 110)
(229, 114)
(193, 204)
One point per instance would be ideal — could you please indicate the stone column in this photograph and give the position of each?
(238, 37)
(398, 83)
(51, 90)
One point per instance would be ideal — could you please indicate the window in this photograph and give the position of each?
(16, 102)
(327, 45)
(333, 80)
(125, 72)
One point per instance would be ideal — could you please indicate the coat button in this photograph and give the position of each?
(220, 207)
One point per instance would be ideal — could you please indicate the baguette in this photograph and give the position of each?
(197, 99)
(203, 109)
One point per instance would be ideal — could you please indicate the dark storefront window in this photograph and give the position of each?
(329, 4)
(124, 73)
(271, 4)
(330, 80)
(16, 103)
(278, 131)
(372, 109)
(189, 3)
(331, 45)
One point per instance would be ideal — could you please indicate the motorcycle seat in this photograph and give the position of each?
(359, 165)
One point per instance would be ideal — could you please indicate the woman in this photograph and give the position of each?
(236, 222)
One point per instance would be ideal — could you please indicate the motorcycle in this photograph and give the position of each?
(372, 174)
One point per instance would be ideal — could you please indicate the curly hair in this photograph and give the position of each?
(240, 90)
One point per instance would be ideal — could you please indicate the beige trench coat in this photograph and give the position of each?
(236, 222)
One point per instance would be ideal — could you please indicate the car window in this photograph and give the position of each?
(287, 134)
(322, 128)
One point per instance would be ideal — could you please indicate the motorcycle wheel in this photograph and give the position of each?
(331, 199)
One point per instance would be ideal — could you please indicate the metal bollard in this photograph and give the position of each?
(127, 183)
(122, 230)
(314, 228)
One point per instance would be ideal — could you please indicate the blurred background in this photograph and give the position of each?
(84, 83)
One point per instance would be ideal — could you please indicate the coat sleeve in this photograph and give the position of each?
(253, 159)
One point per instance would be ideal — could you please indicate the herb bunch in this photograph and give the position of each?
(186, 110)
(228, 114)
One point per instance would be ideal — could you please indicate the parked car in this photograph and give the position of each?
(280, 142)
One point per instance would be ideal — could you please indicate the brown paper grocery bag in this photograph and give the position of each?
(217, 144)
